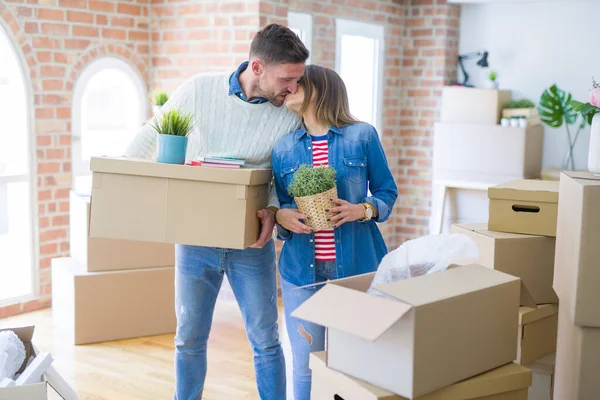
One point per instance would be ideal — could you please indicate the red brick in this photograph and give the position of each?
(63, 113)
(138, 35)
(189, 9)
(73, 3)
(52, 71)
(48, 167)
(31, 27)
(9, 311)
(129, 9)
(76, 44)
(53, 84)
(114, 34)
(197, 22)
(60, 58)
(79, 16)
(43, 56)
(87, 31)
(50, 14)
(103, 6)
(198, 35)
(23, 12)
(44, 113)
(44, 222)
(60, 220)
(65, 140)
(64, 206)
(55, 154)
(101, 20)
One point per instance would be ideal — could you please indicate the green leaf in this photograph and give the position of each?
(174, 123)
(161, 98)
(309, 181)
(554, 107)
(577, 105)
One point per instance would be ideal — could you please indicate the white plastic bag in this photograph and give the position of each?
(12, 354)
(421, 256)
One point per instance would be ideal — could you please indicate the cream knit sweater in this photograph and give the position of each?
(224, 125)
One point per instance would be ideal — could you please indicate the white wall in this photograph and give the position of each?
(533, 44)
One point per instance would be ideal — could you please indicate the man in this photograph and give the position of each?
(236, 115)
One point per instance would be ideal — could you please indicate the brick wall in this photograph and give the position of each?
(168, 41)
(58, 38)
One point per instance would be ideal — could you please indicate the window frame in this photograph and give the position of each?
(303, 22)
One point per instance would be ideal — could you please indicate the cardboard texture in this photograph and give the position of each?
(166, 203)
(524, 206)
(94, 307)
(486, 153)
(528, 257)
(542, 378)
(39, 390)
(507, 382)
(577, 360)
(577, 276)
(98, 254)
(470, 105)
(437, 329)
(537, 332)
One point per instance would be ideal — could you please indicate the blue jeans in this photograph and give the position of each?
(198, 277)
(305, 337)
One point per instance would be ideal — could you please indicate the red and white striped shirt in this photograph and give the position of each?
(324, 240)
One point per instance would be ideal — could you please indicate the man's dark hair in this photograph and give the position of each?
(278, 44)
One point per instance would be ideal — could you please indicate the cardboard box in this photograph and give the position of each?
(542, 378)
(98, 254)
(577, 360)
(537, 332)
(486, 153)
(524, 206)
(471, 105)
(430, 332)
(94, 307)
(35, 391)
(528, 257)
(509, 382)
(577, 276)
(166, 203)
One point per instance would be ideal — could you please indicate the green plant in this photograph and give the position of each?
(555, 110)
(592, 107)
(522, 103)
(492, 76)
(161, 98)
(309, 181)
(174, 123)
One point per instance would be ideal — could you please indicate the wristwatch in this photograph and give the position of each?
(368, 211)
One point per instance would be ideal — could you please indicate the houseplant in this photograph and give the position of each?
(492, 83)
(160, 99)
(590, 112)
(522, 108)
(313, 188)
(555, 110)
(172, 129)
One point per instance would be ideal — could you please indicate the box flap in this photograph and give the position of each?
(526, 190)
(529, 314)
(482, 229)
(443, 285)
(59, 384)
(24, 333)
(360, 282)
(133, 166)
(582, 175)
(348, 310)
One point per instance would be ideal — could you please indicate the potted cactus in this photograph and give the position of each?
(313, 188)
(172, 129)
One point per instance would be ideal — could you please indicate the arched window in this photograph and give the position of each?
(109, 107)
(17, 255)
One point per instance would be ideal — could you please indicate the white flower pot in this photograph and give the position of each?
(594, 151)
(491, 84)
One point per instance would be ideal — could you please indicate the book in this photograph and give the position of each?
(218, 165)
(223, 160)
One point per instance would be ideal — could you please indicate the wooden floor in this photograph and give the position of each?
(143, 368)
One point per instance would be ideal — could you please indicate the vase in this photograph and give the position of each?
(171, 149)
(594, 150)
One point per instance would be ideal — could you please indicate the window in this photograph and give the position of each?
(359, 61)
(301, 24)
(109, 107)
(17, 255)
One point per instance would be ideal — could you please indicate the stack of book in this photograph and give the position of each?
(219, 162)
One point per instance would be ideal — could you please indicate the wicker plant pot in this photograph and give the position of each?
(314, 206)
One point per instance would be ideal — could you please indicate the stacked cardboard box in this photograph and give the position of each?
(470, 145)
(422, 335)
(577, 283)
(111, 289)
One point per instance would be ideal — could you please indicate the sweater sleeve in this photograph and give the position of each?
(144, 143)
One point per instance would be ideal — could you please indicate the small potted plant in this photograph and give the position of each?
(492, 83)
(172, 129)
(160, 99)
(313, 188)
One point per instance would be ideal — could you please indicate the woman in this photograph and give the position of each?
(328, 135)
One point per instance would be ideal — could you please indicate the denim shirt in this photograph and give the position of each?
(356, 153)
(236, 89)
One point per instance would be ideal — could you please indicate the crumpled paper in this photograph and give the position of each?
(12, 354)
(422, 256)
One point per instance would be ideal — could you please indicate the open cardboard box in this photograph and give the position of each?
(432, 331)
(155, 202)
(509, 382)
(36, 391)
(528, 206)
(529, 257)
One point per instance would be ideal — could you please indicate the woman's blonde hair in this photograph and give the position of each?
(332, 106)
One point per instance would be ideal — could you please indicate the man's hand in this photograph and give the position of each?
(267, 223)
(290, 219)
(346, 212)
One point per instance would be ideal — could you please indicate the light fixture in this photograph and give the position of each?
(483, 63)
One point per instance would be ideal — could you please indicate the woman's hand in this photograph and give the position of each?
(290, 219)
(346, 212)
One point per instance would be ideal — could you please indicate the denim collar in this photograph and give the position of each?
(301, 132)
(235, 88)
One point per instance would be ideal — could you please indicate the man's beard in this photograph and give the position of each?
(273, 98)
